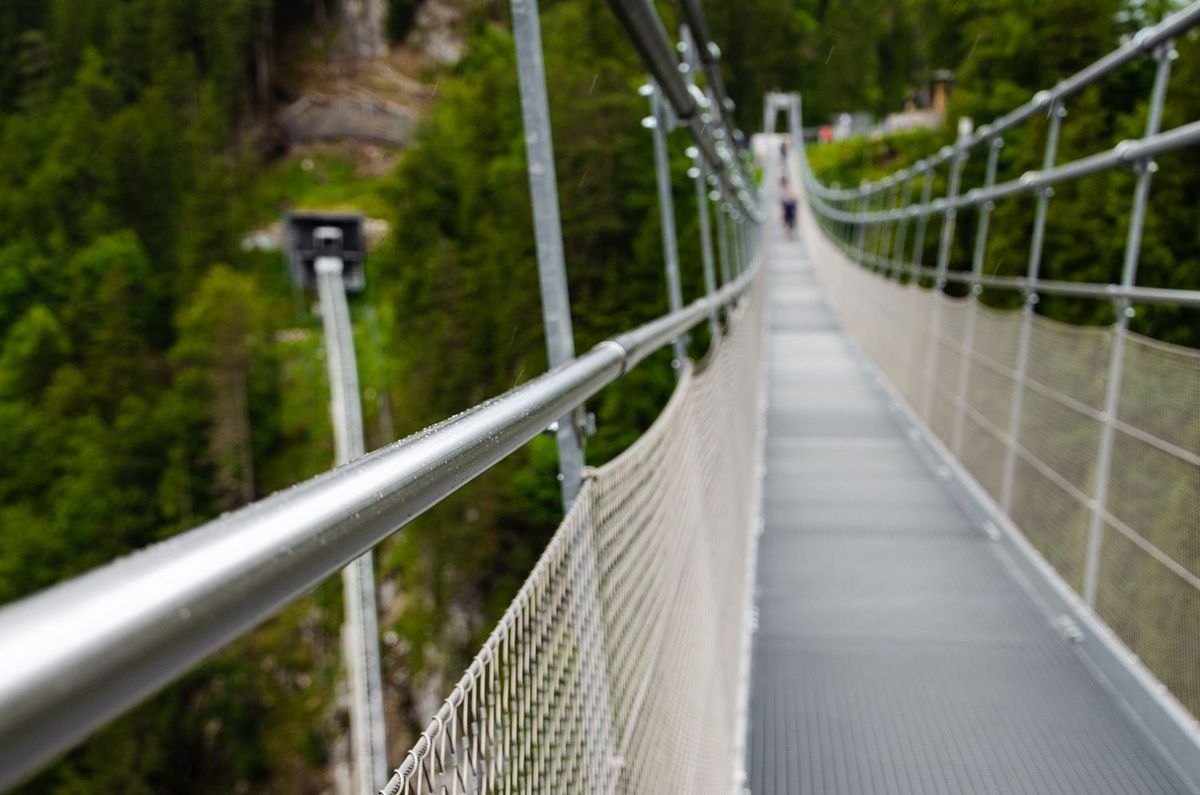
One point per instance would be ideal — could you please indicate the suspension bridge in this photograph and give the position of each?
(883, 538)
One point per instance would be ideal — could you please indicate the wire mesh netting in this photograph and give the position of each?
(618, 666)
(1032, 443)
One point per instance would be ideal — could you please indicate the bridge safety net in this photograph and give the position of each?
(620, 664)
(955, 360)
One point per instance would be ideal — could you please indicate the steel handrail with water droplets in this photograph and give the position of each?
(79, 654)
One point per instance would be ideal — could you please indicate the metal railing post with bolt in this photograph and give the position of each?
(722, 238)
(1057, 112)
(883, 252)
(744, 239)
(869, 230)
(861, 231)
(902, 232)
(928, 172)
(658, 122)
(735, 243)
(968, 341)
(871, 238)
(699, 174)
(547, 230)
(958, 159)
(1145, 169)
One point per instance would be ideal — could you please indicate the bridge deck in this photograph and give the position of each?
(895, 652)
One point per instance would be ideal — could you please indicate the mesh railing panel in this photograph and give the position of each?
(1148, 586)
(617, 666)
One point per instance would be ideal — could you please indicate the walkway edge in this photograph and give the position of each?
(1147, 701)
(741, 774)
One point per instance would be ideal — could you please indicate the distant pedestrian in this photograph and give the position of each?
(787, 201)
(783, 150)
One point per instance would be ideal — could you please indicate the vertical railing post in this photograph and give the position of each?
(658, 122)
(744, 242)
(735, 250)
(922, 219)
(1056, 112)
(902, 231)
(723, 242)
(739, 264)
(364, 670)
(871, 239)
(1164, 54)
(869, 230)
(848, 229)
(547, 228)
(912, 351)
(883, 251)
(731, 239)
(950, 216)
(957, 160)
(747, 241)
(698, 173)
(968, 341)
(863, 204)
(560, 346)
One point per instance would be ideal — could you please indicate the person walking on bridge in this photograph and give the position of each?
(787, 201)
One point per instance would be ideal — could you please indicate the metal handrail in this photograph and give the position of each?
(1135, 154)
(710, 54)
(849, 228)
(83, 652)
(1143, 42)
(1126, 153)
(642, 25)
(1165, 296)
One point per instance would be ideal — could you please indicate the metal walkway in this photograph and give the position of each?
(895, 653)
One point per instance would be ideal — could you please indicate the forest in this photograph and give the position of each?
(155, 372)
(1011, 57)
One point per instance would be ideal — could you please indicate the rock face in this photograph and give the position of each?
(318, 118)
(364, 29)
(437, 33)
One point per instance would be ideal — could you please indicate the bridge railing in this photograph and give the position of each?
(622, 665)
(651, 557)
(617, 666)
(1087, 437)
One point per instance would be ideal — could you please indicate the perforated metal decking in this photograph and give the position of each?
(895, 653)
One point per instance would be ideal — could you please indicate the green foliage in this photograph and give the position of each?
(149, 380)
(138, 379)
(459, 291)
(324, 178)
(33, 350)
(152, 374)
(1017, 49)
(843, 55)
